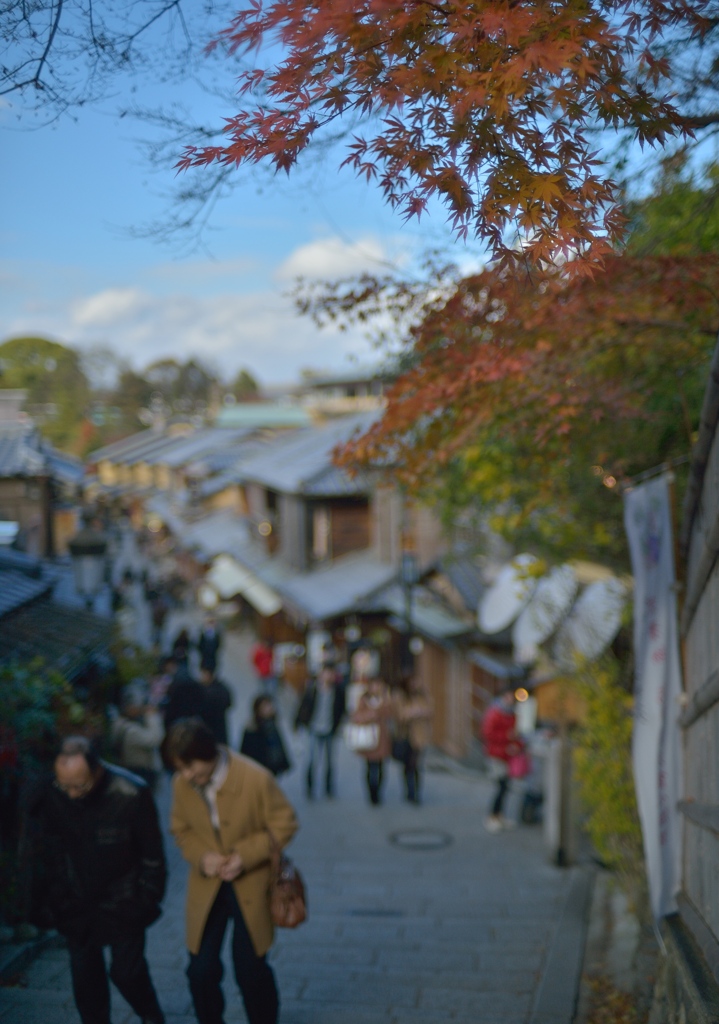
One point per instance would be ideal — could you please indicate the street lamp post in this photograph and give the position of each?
(88, 550)
(409, 576)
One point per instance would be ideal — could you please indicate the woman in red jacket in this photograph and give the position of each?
(500, 743)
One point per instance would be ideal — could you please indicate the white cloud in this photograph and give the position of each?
(109, 307)
(331, 258)
(260, 331)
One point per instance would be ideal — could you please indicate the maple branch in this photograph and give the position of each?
(667, 325)
(436, 7)
(702, 120)
(160, 14)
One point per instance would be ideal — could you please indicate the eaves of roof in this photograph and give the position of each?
(118, 449)
(66, 639)
(292, 464)
(18, 589)
(429, 616)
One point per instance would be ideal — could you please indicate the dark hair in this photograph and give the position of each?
(190, 739)
(83, 746)
(260, 699)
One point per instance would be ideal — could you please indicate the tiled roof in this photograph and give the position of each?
(335, 589)
(429, 616)
(64, 638)
(466, 576)
(20, 451)
(202, 444)
(333, 482)
(118, 449)
(65, 467)
(292, 464)
(154, 448)
(21, 561)
(23, 452)
(17, 588)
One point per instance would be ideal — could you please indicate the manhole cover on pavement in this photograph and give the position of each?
(421, 839)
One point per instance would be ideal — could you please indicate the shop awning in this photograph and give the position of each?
(229, 578)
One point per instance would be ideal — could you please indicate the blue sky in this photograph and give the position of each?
(71, 270)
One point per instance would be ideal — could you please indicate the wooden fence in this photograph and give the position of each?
(693, 939)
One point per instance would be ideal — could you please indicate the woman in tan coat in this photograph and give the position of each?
(226, 812)
(413, 714)
(375, 708)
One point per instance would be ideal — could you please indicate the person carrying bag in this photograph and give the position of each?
(369, 734)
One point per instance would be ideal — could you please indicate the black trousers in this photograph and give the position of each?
(375, 775)
(128, 971)
(411, 774)
(502, 788)
(253, 974)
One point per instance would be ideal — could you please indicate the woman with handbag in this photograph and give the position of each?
(502, 744)
(413, 715)
(374, 709)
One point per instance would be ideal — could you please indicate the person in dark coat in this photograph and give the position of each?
(208, 645)
(262, 740)
(218, 700)
(181, 648)
(105, 873)
(185, 698)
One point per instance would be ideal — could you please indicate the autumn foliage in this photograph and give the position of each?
(532, 392)
(490, 106)
(524, 354)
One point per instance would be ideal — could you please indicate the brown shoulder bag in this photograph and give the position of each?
(288, 902)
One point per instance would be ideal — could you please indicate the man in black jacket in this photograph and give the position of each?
(105, 877)
(208, 645)
(320, 712)
(218, 701)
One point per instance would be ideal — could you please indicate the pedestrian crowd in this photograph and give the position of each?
(101, 858)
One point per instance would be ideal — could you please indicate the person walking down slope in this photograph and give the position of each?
(501, 743)
(262, 740)
(375, 708)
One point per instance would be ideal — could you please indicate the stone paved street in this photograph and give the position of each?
(480, 931)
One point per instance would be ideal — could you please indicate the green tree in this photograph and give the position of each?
(681, 217)
(185, 387)
(244, 385)
(57, 388)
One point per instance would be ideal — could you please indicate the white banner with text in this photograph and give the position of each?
(656, 742)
